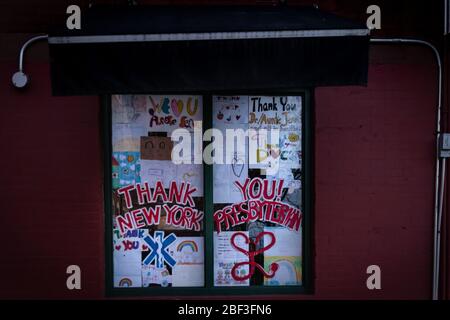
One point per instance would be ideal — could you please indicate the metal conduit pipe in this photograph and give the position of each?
(440, 163)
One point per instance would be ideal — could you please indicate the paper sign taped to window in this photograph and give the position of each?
(156, 148)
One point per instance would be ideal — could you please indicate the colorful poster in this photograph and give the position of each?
(169, 112)
(158, 234)
(226, 256)
(131, 240)
(286, 254)
(126, 168)
(289, 272)
(154, 200)
(188, 250)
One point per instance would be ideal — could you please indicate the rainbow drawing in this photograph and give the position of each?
(288, 273)
(125, 282)
(187, 244)
(287, 269)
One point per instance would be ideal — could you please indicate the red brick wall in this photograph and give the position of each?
(374, 181)
(51, 209)
(374, 176)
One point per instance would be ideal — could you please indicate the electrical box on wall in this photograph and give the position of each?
(444, 145)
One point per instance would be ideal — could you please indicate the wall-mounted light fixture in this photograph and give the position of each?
(20, 79)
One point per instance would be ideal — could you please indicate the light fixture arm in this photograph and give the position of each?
(20, 79)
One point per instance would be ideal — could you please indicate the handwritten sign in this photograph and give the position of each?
(274, 112)
(262, 202)
(168, 113)
(181, 213)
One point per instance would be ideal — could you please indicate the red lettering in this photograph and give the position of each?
(175, 193)
(188, 195)
(138, 218)
(151, 215)
(124, 221)
(243, 188)
(126, 192)
(159, 192)
(143, 193)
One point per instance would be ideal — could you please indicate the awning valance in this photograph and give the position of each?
(162, 49)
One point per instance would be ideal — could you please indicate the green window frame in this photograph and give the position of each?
(209, 288)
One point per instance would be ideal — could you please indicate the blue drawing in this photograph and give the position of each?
(159, 246)
(126, 168)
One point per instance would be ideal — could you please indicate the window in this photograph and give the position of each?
(207, 193)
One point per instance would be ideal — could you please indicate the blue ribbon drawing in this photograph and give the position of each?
(159, 246)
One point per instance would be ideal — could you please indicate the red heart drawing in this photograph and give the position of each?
(118, 247)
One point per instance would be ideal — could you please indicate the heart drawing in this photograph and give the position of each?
(238, 166)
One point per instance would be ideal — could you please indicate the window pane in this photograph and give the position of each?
(258, 191)
(158, 236)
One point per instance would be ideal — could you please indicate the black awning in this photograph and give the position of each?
(191, 49)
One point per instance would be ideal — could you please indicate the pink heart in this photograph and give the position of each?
(118, 247)
(177, 107)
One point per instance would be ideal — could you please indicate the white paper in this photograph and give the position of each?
(126, 109)
(188, 275)
(229, 111)
(166, 171)
(127, 268)
(290, 148)
(158, 170)
(225, 257)
(189, 253)
(264, 150)
(193, 174)
(127, 137)
(225, 190)
(287, 242)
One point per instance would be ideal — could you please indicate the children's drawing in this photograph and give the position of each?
(127, 168)
(229, 110)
